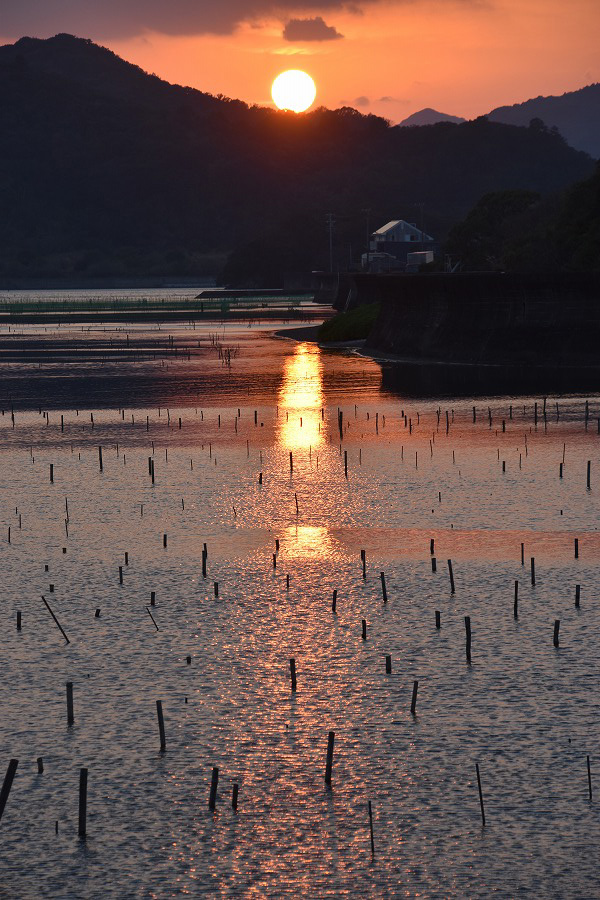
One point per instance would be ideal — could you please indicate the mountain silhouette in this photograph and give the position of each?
(576, 114)
(106, 170)
(430, 116)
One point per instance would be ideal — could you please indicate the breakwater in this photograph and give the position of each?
(479, 318)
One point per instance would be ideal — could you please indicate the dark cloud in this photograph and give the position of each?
(120, 19)
(361, 101)
(310, 30)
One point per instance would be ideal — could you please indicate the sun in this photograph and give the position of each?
(293, 90)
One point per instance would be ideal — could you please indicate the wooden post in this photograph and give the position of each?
(100, 458)
(83, 780)
(364, 629)
(346, 463)
(432, 546)
(40, 765)
(388, 665)
(589, 778)
(212, 800)
(363, 557)
(216, 586)
(577, 595)
(152, 598)
(522, 554)
(120, 574)
(480, 794)
(293, 674)
(556, 629)
(560, 470)
(18, 620)
(333, 602)
(438, 623)
(371, 829)
(274, 560)
(576, 548)
(433, 564)
(287, 584)
(329, 762)
(451, 576)
(468, 637)
(204, 563)
(589, 474)
(56, 620)
(533, 570)
(516, 603)
(234, 796)
(7, 783)
(70, 716)
(413, 702)
(161, 726)
(291, 463)
(164, 540)
(51, 473)
(383, 588)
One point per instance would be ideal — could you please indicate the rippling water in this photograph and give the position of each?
(527, 712)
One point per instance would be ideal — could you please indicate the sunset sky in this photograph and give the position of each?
(462, 57)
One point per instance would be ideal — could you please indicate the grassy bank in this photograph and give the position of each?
(354, 325)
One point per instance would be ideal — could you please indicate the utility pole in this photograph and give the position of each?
(330, 222)
(368, 215)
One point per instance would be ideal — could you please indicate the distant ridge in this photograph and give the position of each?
(576, 115)
(430, 116)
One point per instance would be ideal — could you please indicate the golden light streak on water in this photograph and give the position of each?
(300, 400)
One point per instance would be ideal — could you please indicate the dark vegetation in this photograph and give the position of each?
(353, 325)
(105, 170)
(523, 231)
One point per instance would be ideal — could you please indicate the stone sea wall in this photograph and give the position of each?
(503, 319)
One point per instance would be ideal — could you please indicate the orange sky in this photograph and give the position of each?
(463, 57)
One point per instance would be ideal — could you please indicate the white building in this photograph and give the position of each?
(390, 245)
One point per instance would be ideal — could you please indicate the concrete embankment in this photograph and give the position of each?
(497, 319)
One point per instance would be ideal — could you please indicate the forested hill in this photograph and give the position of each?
(107, 170)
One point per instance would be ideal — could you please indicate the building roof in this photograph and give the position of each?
(408, 227)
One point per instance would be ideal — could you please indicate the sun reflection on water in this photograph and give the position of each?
(301, 400)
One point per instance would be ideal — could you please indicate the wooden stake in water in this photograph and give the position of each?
(161, 726)
(589, 778)
(70, 716)
(480, 794)
(371, 829)
(333, 602)
(468, 637)
(364, 629)
(363, 558)
(522, 554)
(577, 595)
(438, 619)
(293, 674)
(533, 570)
(516, 603)
(329, 761)
(413, 702)
(388, 665)
(7, 783)
(383, 588)
(100, 458)
(556, 630)
(450, 572)
(212, 800)
(234, 796)
(83, 780)
(433, 564)
(56, 620)
(576, 548)
(589, 474)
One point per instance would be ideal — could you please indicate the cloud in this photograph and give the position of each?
(310, 30)
(361, 101)
(388, 99)
(122, 19)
